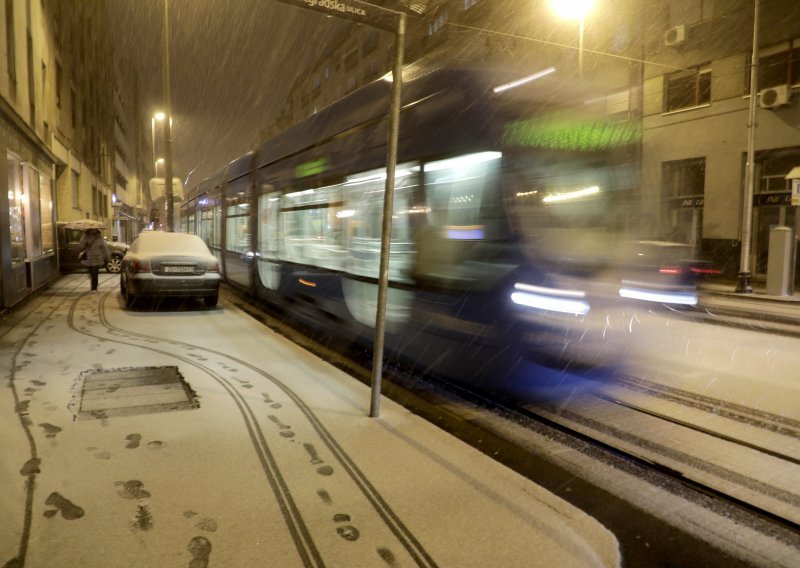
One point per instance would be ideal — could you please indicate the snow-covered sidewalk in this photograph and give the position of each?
(268, 458)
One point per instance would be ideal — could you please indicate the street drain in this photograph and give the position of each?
(103, 393)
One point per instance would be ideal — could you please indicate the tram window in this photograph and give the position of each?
(217, 226)
(312, 223)
(268, 209)
(205, 229)
(363, 212)
(455, 191)
(237, 228)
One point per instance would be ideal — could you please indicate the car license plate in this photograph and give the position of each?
(178, 269)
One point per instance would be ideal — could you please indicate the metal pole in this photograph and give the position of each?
(386, 235)
(743, 285)
(167, 125)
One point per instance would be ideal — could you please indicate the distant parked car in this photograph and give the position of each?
(68, 249)
(161, 264)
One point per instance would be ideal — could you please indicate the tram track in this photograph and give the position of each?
(321, 449)
(626, 444)
(341, 482)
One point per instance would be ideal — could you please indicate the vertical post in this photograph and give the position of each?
(167, 125)
(386, 234)
(743, 285)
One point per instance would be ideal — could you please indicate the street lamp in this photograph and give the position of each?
(572, 9)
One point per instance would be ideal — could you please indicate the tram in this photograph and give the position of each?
(510, 222)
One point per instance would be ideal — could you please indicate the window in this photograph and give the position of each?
(75, 188)
(59, 83)
(775, 69)
(687, 89)
(46, 214)
(683, 184)
(438, 22)
(684, 178)
(11, 55)
(31, 82)
(16, 210)
(312, 224)
(773, 167)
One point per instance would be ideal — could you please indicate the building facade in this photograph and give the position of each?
(57, 129)
(680, 69)
(131, 195)
(695, 124)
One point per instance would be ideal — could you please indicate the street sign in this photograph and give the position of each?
(354, 10)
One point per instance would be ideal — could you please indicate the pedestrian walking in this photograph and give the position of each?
(94, 254)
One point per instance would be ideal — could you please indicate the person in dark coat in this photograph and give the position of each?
(96, 254)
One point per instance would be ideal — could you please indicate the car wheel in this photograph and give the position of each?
(211, 301)
(114, 265)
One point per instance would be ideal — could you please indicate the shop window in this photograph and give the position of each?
(687, 89)
(16, 210)
(774, 166)
(46, 214)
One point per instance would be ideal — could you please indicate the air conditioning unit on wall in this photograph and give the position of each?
(774, 96)
(676, 36)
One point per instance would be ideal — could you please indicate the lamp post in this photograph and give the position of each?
(743, 285)
(572, 9)
(167, 125)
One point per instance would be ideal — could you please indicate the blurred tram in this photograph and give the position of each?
(509, 223)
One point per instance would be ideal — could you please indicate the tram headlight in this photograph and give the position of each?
(550, 299)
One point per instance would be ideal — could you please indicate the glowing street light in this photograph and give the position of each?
(572, 9)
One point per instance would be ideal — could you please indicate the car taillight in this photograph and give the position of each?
(703, 270)
(212, 267)
(672, 270)
(141, 265)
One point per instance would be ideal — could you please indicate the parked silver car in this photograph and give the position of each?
(161, 264)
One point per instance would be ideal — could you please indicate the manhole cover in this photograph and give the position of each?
(104, 393)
